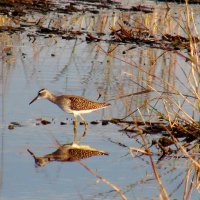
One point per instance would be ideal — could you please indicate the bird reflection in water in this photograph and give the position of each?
(67, 153)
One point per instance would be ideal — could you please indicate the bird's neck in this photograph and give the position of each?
(52, 98)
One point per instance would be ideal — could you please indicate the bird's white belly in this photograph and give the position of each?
(79, 112)
(66, 109)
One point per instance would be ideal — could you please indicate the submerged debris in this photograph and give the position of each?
(10, 29)
(143, 36)
(185, 133)
(63, 123)
(182, 1)
(94, 122)
(122, 32)
(140, 8)
(13, 125)
(65, 34)
(105, 122)
(42, 121)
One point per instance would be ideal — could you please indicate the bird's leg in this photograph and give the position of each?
(75, 127)
(86, 125)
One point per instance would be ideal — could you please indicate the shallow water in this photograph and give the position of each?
(82, 68)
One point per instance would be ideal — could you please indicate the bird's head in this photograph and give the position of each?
(42, 94)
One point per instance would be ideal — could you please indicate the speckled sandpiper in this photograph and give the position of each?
(68, 153)
(72, 104)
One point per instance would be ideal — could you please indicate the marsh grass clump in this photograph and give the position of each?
(144, 36)
(163, 55)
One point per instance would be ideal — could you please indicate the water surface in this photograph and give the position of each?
(84, 68)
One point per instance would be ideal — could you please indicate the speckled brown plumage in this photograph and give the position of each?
(78, 154)
(80, 103)
(67, 153)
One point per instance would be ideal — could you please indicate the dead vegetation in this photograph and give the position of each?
(177, 131)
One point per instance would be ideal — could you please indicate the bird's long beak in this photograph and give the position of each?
(34, 100)
(99, 97)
